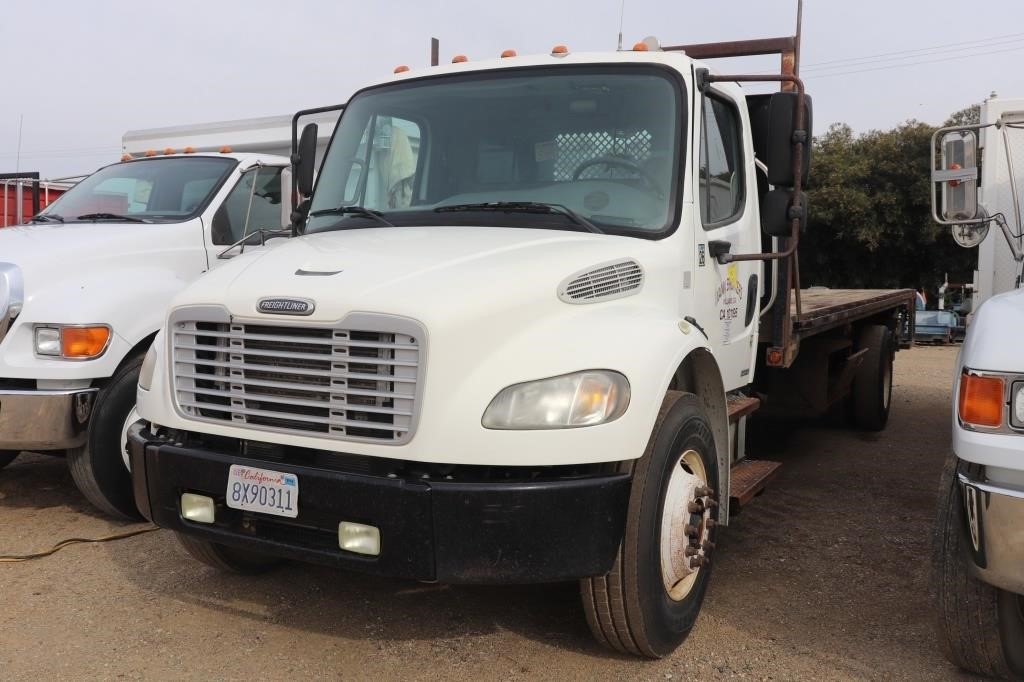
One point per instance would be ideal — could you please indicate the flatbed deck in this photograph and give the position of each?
(824, 309)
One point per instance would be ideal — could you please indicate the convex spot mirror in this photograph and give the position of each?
(958, 175)
(777, 213)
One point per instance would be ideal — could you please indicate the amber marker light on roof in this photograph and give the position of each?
(126, 157)
(459, 58)
(168, 151)
(225, 149)
(640, 47)
(188, 150)
(150, 152)
(508, 53)
(560, 49)
(401, 68)
(981, 400)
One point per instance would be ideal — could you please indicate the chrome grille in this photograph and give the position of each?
(604, 282)
(349, 384)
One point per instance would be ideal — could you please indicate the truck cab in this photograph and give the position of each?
(978, 548)
(83, 287)
(515, 340)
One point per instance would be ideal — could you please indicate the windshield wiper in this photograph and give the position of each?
(111, 216)
(524, 207)
(45, 218)
(352, 210)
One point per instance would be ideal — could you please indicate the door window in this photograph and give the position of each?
(253, 204)
(721, 163)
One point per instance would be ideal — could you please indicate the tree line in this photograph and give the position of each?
(869, 223)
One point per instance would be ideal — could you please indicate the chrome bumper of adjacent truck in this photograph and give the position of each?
(44, 419)
(994, 516)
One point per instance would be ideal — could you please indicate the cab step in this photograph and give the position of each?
(741, 406)
(748, 479)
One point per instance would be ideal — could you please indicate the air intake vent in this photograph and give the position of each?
(605, 282)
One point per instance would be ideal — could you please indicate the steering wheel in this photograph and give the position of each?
(620, 163)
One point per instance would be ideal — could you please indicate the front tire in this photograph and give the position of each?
(649, 601)
(980, 627)
(99, 468)
(8, 456)
(872, 386)
(227, 559)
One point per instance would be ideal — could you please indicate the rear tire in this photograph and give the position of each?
(98, 467)
(8, 456)
(872, 386)
(649, 601)
(980, 627)
(228, 559)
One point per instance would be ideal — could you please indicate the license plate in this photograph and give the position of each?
(263, 490)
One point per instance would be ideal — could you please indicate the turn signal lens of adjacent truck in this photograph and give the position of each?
(72, 342)
(563, 402)
(981, 401)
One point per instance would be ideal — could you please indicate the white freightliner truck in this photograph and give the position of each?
(978, 548)
(84, 283)
(532, 303)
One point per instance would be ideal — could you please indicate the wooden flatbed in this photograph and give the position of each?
(824, 309)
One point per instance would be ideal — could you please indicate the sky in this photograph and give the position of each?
(80, 73)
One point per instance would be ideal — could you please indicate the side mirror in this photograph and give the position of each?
(958, 175)
(777, 213)
(304, 160)
(778, 146)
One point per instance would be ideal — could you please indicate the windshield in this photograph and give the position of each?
(602, 142)
(150, 190)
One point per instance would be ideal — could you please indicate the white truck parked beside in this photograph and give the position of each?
(84, 285)
(978, 549)
(517, 340)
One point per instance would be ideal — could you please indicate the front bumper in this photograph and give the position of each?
(994, 519)
(44, 420)
(453, 531)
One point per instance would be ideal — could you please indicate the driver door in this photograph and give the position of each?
(727, 217)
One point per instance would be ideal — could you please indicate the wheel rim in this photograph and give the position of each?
(685, 525)
(132, 417)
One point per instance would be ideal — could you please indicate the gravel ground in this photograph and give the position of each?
(822, 577)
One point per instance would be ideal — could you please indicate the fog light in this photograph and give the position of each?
(198, 508)
(359, 538)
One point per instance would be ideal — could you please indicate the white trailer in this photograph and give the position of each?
(84, 284)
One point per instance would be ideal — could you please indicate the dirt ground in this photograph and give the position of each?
(822, 577)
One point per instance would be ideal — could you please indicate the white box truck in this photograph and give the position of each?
(84, 284)
(978, 547)
(531, 305)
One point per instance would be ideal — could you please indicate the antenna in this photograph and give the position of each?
(622, 13)
(435, 51)
(17, 159)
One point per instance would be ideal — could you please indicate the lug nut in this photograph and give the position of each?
(708, 546)
(691, 551)
(705, 491)
(711, 504)
(690, 530)
(695, 508)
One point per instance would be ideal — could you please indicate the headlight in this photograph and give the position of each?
(567, 401)
(1018, 404)
(148, 365)
(71, 342)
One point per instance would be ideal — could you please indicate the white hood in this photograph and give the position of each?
(424, 273)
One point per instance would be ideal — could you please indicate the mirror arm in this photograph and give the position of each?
(1018, 256)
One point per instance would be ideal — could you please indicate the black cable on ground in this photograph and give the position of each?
(16, 558)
